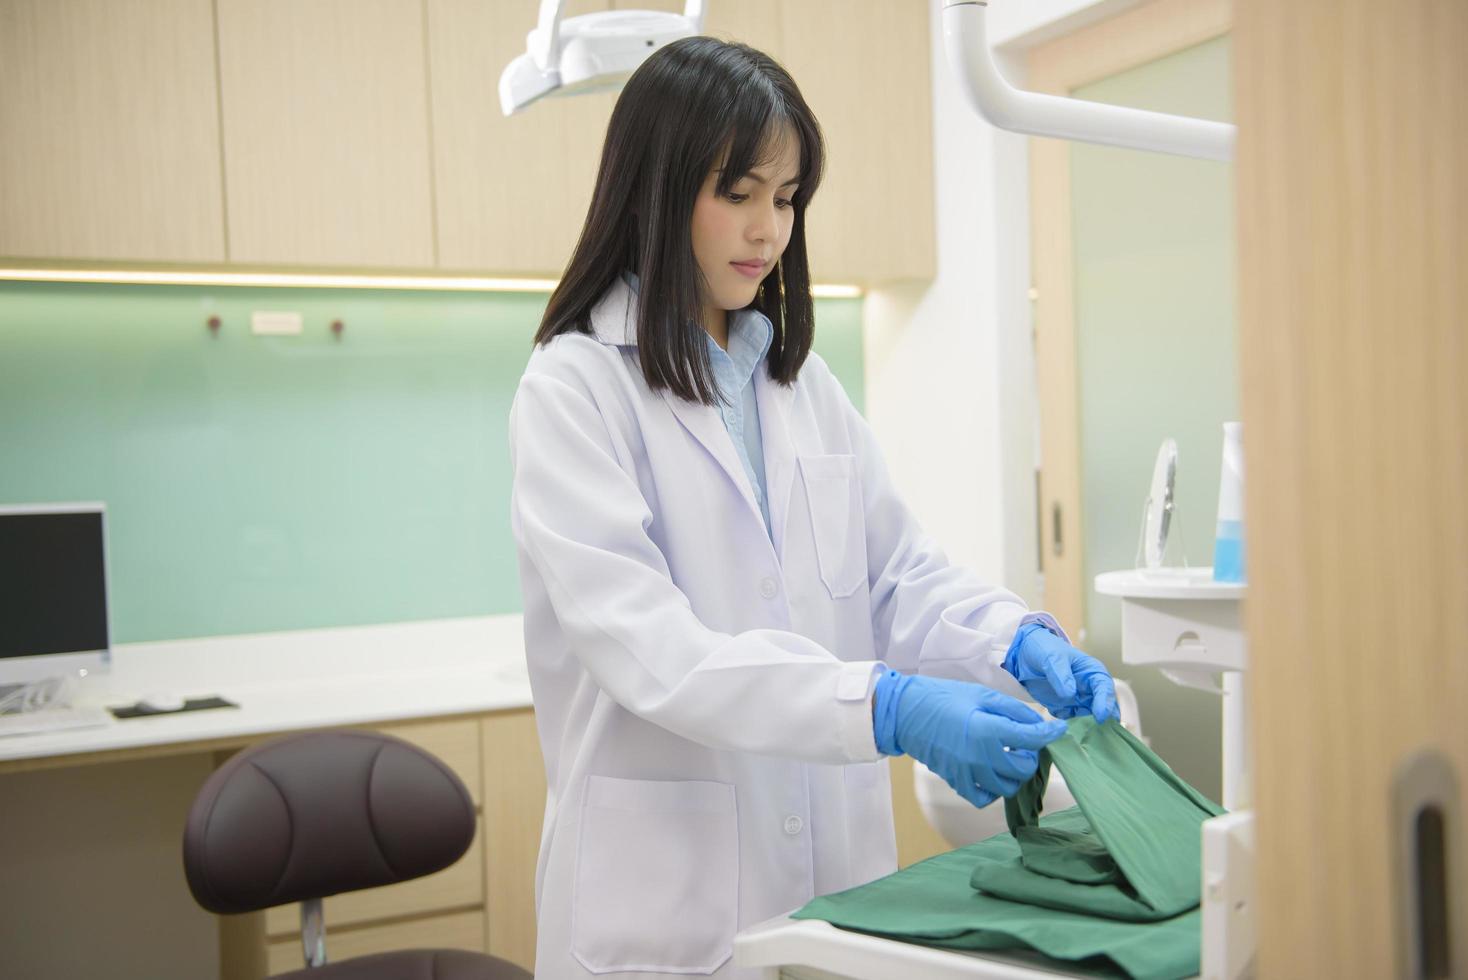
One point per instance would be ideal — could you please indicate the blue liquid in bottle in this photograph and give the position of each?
(1228, 552)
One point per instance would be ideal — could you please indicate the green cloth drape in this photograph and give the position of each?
(1141, 858)
(1112, 885)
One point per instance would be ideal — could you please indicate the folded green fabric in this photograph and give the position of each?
(1110, 886)
(1140, 859)
(933, 904)
(1066, 855)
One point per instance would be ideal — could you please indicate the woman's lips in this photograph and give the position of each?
(753, 270)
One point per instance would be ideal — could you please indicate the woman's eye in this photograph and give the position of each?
(780, 202)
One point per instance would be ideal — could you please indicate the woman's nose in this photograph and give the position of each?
(764, 224)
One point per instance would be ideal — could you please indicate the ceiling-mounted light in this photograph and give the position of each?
(590, 52)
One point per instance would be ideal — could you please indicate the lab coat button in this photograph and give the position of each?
(793, 825)
(768, 588)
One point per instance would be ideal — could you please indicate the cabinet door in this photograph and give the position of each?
(326, 139)
(864, 68)
(512, 192)
(514, 809)
(109, 131)
(756, 23)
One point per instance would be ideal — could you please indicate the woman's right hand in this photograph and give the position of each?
(984, 744)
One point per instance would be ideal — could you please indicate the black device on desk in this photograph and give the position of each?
(53, 613)
(151, 706)
(54, 622)
(53, 591)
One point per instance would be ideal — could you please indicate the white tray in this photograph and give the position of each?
(783, 946)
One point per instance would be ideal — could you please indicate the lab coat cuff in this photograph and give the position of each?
(1004, 639)
(854, 688)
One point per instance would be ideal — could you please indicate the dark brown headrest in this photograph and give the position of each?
(307, 816)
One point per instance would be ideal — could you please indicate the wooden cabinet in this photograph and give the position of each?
(864, 69)
(512, 192)
(109, 131)
(326, 139)
(366, 134)
(514, 810)
(1353, 344)
(485, 902)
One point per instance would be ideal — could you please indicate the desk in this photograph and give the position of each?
(291, 681)
(119, 795)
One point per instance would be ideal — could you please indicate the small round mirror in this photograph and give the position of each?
(1159, 505)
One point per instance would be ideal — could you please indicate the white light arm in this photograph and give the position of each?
(967, 44)
(545, 42)
(693, 11)
(589, 53)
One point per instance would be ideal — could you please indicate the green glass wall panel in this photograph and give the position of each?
(1156, 336)
(270, 483)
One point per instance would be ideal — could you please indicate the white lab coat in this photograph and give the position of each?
(703, 692)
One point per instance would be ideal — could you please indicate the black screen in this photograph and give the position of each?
(53, 587)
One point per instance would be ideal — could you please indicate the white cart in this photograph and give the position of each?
(1191, 628)
(808, 949)
(1188, 626)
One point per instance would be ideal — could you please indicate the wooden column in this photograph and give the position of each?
(1353, 278)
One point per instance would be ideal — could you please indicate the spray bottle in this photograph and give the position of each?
(1228, 545)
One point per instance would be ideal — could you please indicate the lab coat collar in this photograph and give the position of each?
(614, 323)
(614, 317)
(614, 320)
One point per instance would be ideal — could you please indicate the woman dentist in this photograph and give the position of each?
(730, 616)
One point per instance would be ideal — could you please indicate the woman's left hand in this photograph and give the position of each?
(1063, 679)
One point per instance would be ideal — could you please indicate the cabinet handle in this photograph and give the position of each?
(1429, 869)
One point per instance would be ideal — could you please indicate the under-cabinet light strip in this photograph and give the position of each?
(463, 283)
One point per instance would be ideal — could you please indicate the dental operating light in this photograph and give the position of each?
(966, 40)
(590, 52)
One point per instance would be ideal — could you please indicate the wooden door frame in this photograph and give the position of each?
(1134, 37)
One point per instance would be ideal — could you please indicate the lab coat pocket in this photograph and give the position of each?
(657, 876)
(833, 497)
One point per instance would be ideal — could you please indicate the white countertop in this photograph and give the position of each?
(300, 679)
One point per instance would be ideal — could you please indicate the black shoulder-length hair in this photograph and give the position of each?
(694, 104)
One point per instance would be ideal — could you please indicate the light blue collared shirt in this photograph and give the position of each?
(750, 335)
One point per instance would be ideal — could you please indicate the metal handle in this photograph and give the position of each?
(1428, 866)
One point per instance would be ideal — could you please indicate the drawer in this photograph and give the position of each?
(459, 885)
(457, 930)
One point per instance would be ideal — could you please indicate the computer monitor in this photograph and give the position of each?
(53, 591)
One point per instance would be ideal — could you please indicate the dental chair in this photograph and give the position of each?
(303, 817)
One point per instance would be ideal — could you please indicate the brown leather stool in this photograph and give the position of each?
(302, 817)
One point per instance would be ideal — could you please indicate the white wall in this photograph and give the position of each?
(950, 364)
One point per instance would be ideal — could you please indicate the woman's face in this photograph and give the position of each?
(738, 238)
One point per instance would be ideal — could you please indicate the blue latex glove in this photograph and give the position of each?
(981, 742)
(1062, 678)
